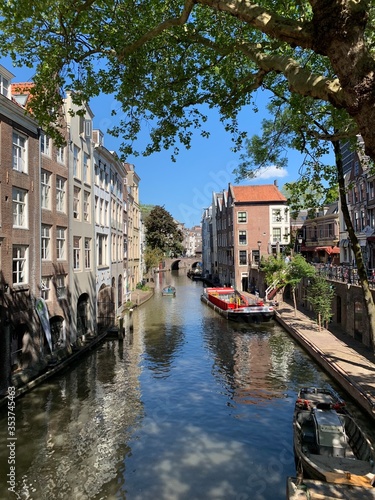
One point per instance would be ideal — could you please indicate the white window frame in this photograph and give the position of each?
(239, 221)
(242, 233)
(4, 86)
(45, 144)
(60, 194)
(19, 158)
(45, 243)
(19, 202)
(76, 166)
(276, 234)
(60, 286)
(87, 253)
(60, 154)
(101, 246)
(86, 168)
(86, 206)
(45, 287)
(276, 215)
(45, 188)
(76, 203)
(76, 253)
(20, 269)
(60, 243)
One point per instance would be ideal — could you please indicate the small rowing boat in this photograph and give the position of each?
(328, 444)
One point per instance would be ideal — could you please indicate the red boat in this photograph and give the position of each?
(236, 306)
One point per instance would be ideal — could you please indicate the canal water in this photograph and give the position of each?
(187, 407)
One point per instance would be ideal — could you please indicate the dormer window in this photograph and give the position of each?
(5, 81)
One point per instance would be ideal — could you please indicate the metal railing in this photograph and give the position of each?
(345, 274)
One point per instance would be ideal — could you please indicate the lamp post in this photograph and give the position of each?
(299, 239)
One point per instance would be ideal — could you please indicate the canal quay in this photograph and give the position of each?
(186, 406)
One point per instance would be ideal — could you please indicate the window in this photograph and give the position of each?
(76, 202)
(86, 168)
(242, 217)
(19, 207)
(20, 270)
(242, 239)
(102, 249)
(19, 153)
(45, 287)
(60, 286)
(76, 171)
(60, 194)
(87, 253)
(286, 213)
(276, 234)
(45, 189)
(45, 144)
(45, 242)
(86, 206)
(76, 252)
(97, 172)
(243, 257)
(60, 156)
(87, 126)
(60, 243)
(4, 86)
(276, 215)
(371, 190)
(106, 207)
(101, 211)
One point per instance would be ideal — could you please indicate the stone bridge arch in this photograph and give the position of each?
(182, 263)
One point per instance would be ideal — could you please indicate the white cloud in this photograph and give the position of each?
(270, 172)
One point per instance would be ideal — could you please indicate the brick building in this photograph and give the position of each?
(20, 271)
(248, 222)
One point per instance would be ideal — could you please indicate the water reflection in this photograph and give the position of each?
(189, 406)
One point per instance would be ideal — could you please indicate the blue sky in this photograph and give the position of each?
(185, 187)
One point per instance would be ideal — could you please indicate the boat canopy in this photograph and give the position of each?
(331, 437)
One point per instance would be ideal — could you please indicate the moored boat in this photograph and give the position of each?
(319, 397)
(328, 443)
(169, 291)
(235, 306)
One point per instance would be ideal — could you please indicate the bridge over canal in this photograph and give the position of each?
(188, 263)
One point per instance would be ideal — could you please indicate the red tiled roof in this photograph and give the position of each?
(265, 192)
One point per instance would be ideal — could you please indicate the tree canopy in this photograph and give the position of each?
(162, 233)
(163, 60)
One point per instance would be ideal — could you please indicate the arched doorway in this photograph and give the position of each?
(106, 307)
(57, 331)
(119, 291)
(82, 315)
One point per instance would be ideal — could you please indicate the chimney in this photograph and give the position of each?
(275, 183)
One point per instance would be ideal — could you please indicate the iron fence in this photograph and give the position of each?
(344, 274)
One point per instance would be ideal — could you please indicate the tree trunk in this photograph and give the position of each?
(340, 34)
(362, 274)
(294, 301)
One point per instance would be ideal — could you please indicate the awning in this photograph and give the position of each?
(329, 250)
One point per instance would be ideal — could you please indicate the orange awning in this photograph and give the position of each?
(329, 250)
